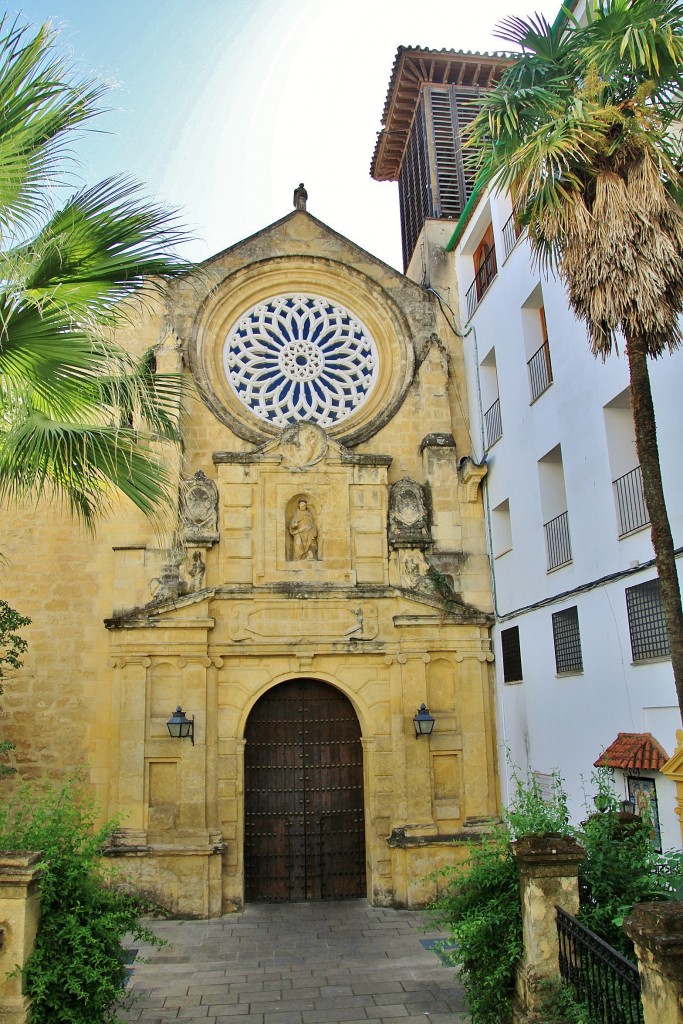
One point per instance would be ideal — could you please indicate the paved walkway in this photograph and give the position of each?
(297, 963)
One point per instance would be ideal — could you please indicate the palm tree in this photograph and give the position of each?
(584, 130)
(79, 417)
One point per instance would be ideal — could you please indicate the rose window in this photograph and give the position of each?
(300, 357)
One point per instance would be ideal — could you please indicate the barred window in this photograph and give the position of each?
(512, 655)
(567, 640)
(646, 621)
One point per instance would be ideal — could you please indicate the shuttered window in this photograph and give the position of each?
(438, 174)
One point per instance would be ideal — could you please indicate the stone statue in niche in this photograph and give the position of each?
(199, 510)
(304, 533)
(408, 516)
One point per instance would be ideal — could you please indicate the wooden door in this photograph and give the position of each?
(304, 825)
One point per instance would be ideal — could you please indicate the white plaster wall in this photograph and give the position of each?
(549, 721)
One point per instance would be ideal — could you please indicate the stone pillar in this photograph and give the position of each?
(656, 930)
(19, 915)
(673, 769)
(548, 869)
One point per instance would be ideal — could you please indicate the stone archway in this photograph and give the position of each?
(304, 821)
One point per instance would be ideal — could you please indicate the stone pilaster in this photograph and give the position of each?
(548, 868)
(656, 930)
(19, 916)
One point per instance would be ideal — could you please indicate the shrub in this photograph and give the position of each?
(480, 903)
(620, 868)
(76, 970)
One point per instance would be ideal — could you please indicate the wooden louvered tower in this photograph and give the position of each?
(432, 97)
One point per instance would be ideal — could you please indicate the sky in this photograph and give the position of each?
(221, 107)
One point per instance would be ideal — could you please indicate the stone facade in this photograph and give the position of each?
(352, 553)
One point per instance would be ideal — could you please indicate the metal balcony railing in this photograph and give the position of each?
(482, 280)
(511, 232)
(540, 371)
(557, 543)
(631, 504)
(493, 423)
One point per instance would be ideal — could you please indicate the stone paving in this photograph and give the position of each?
(296, 963)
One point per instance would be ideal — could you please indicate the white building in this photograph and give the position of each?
(579, 638)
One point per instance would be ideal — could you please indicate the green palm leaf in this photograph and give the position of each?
(69, 396)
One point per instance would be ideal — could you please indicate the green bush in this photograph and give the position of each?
(479, 902)
(620, 868)
(76, 971)
(480, 906)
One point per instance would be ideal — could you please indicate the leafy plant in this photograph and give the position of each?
(12, 646)
(480, 905)
(76, 971)
(620, 868)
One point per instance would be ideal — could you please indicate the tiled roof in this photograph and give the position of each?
(413, 67)
(633, 750)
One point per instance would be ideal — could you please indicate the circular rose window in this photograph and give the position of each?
(300, 357)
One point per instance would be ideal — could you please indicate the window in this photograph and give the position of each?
(627, 476)
(437, 175)
(485, 262)
(512, 655)
(536, 344)
(646, 621)
(567, 640)
(488, 375)
(501, 529)
(554, 509)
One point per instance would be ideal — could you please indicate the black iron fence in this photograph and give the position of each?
(482, 279)
(557, 542)
(540, 371)
(601, 977)
(631, 502)
(511, 232)
(494, 424)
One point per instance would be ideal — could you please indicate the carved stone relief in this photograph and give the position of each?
(408, 516)
(199, 510)
(303, 445)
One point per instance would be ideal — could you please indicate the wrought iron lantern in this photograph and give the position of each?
(423, 722)
(628, 806)
(180, 726)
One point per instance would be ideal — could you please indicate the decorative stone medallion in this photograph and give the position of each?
(300, 357)
(408, 516)
(199, 509)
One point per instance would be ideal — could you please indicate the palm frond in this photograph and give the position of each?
(42, 99)
(105, 245)
(80, 465)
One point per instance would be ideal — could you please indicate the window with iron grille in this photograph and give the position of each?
(512, 655)
(567, 640)
(646, 621)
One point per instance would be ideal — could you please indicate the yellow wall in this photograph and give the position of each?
(364, 616)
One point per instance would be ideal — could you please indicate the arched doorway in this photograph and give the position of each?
(304, 824)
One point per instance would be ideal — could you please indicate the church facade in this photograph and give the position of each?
(327, 577)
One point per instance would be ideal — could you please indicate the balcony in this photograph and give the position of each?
(540, 371)
(557, 543)
(512, 229)
(493, 424)
(630, 500)
(482, 281)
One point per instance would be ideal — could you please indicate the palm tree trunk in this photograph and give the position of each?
(662, 540)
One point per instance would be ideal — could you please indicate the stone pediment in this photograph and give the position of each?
(300, 447)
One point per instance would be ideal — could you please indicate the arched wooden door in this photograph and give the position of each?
(304, 825)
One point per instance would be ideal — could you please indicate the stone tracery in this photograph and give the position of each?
(300, 357)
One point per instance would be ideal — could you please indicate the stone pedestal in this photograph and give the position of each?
(656, 930)
(19, 915)
(549, 868)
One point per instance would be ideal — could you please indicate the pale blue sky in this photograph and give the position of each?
(222, 106)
